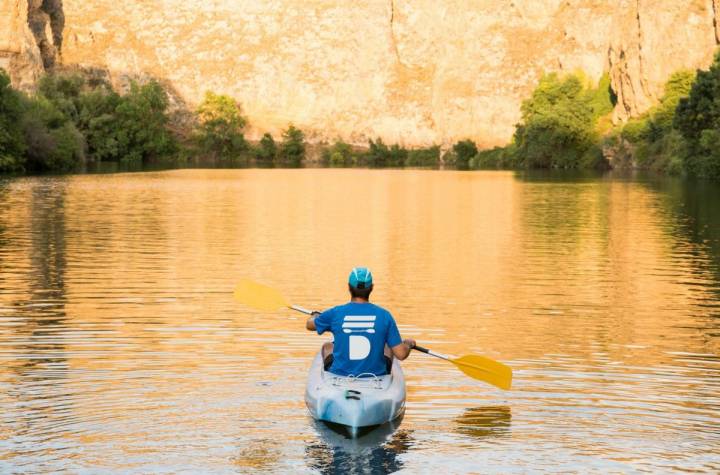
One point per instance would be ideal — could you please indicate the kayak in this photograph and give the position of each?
(355, 402)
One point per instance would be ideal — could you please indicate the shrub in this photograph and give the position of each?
(292, 148)
(493, 159)
(340, 154)
(423, 157)
(53, 141)
(220, 127)
(463, 152)
(266, 151)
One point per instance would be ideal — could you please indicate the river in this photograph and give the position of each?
(122, 349)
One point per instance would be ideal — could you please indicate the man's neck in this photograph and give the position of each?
(359, 300)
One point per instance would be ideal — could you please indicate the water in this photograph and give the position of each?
(122, 349)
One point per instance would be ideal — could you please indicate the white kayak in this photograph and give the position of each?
(355, 401)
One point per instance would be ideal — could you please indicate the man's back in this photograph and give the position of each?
(361, 331)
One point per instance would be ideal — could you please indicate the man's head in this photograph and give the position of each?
(360, 283)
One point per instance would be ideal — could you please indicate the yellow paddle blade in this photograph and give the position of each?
(259, 296)
(485, 369)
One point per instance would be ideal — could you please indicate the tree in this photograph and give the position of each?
(557, 127)
(266, 152)
(464, 150)
(220, 127)
(142, 120)
(697, 118)
(12, 143)
(292, 148)
(53, 141)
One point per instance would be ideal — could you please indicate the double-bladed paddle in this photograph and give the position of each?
(478, 367)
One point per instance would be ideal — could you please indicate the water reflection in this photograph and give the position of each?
(484, 421)
(36, 357)
(374, 451)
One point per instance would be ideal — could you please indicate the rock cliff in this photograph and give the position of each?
(409, 71)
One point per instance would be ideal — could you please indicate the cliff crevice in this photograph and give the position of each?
(46, 20)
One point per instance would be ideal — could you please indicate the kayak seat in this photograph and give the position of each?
(329, 361)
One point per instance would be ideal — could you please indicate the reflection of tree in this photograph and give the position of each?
(374, 451)
(42, 314)
(484, 421)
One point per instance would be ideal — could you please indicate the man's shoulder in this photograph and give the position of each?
(382, 310)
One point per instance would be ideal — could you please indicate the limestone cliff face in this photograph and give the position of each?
(19, 53)
(409, 71)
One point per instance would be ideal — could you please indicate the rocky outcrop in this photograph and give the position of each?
(19, 53)
(409, 71)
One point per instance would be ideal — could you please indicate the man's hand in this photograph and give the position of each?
(409, 342)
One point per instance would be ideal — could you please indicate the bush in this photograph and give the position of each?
(292, 148)
(463, 151)
(220, 127)
(266, 151)
(340, 154)
(53, 141)
(423, 157)
(494, 159)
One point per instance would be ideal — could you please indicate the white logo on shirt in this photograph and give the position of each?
(359, 345)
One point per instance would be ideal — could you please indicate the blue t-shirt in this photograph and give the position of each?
(361, 331)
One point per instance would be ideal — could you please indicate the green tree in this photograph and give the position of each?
(423, 157)
(12, 143)
(220, 127)
(292, 148)
(558, 124)
(99, 123)
(142, 120)
(266, 152)
(53, 141)
(697, 118)
(463, 151)
(340, 154)
(64, 92)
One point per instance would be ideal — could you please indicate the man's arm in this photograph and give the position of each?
(310, 323)
(402, 351)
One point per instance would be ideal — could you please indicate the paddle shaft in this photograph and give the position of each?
(300, 309)
(431, 353)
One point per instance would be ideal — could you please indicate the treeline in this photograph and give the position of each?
(566, 123)
(71, 121)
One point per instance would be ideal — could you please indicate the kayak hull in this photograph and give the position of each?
(355, 402)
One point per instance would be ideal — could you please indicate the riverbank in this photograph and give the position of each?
(73, 122)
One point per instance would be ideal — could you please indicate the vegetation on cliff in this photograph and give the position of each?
(69, 121)
(564, 124)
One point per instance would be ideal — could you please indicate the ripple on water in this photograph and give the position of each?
(123, 351)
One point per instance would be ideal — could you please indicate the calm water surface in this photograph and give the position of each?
(122, 349)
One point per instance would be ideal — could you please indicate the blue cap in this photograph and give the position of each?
(360, 278)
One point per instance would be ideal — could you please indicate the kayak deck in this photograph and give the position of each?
(355, 401)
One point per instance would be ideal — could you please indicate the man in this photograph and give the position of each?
(361, 330)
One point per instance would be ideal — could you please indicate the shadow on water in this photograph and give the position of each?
(484, 421)
(374, 451)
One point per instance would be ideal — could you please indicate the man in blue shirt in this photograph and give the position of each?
(365, 334)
